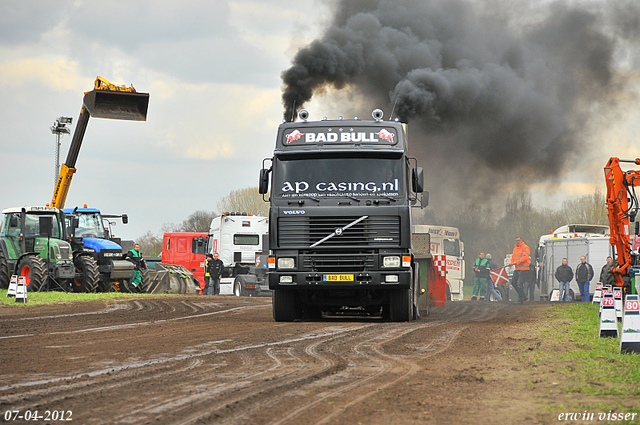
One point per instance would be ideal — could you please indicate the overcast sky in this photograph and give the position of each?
(212, 69)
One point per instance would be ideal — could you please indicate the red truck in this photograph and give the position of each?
(187, 249)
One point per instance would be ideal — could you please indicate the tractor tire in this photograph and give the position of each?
(33, 268)
(284, 306)
(145, 281)
(400, 305)
(87, 274)
(4, 271)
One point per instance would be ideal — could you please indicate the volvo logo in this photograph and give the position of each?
(294, 212)
(339, 231)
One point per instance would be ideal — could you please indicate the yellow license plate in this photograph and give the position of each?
(337, 277)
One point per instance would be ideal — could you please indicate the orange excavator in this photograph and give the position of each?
(622, 207)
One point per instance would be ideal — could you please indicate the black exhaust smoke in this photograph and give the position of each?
(496, 92)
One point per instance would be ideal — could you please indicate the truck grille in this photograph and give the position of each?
(338, 262)
(375, 231)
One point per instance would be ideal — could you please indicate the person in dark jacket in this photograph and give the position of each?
(216, 267)
(606, 278)
(564, 274)
(584, 274)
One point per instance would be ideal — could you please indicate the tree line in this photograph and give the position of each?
(481, 228)
(484, 230)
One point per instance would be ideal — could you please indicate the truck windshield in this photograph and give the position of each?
(90, 226)
(326, 177)
(243, 239)
(452, 247)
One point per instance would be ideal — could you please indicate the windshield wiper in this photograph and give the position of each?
(352, 197)
(389, 198)
(297, 199)
(339, 230)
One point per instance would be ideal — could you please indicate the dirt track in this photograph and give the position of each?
(198, 360)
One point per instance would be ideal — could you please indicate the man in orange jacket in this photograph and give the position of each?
(521, 258)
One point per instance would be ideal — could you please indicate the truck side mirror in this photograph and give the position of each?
(263, 185)
(417, 180)
(425, 198)
(45, 224)
(125, 219)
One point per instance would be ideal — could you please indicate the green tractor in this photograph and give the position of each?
(31, 245)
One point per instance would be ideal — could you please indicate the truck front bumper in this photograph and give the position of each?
(400, 279)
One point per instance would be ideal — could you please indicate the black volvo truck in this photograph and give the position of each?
(340, 219)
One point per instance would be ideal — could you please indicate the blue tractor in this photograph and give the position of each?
(97, 256)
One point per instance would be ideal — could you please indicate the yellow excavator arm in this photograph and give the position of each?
(106, 100)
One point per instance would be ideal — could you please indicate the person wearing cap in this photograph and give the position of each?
(206, 290)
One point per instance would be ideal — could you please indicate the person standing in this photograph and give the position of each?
(135, 256)
(490, 284)
(564, 275)
(521, 259)
(481, 269)
(216, 267)
(606, 277)
(502, 288)
(530, 282)
(208, 288)
(584, 274)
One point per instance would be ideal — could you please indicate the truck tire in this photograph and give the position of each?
(238, 286)
(33, 268)
(4, 271)
(284, 306)
(400, 305)
(87, 274)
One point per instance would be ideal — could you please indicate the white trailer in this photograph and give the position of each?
(571, 243)
(238, 239)
(446, 241)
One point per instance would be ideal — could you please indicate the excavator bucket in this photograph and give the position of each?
(117, 105)
(173, 279)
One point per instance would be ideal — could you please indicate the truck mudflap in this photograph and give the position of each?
(121, 269)
(173, 279)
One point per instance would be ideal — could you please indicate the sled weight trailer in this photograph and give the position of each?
(108, 101)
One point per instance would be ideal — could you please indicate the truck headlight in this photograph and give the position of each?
(286, 279)
(391, 278)
(391, 261)
(286, 263)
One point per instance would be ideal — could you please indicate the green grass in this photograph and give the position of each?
(591, 365)
(40, 298)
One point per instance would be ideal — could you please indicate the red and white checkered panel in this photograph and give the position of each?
(440, 264)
